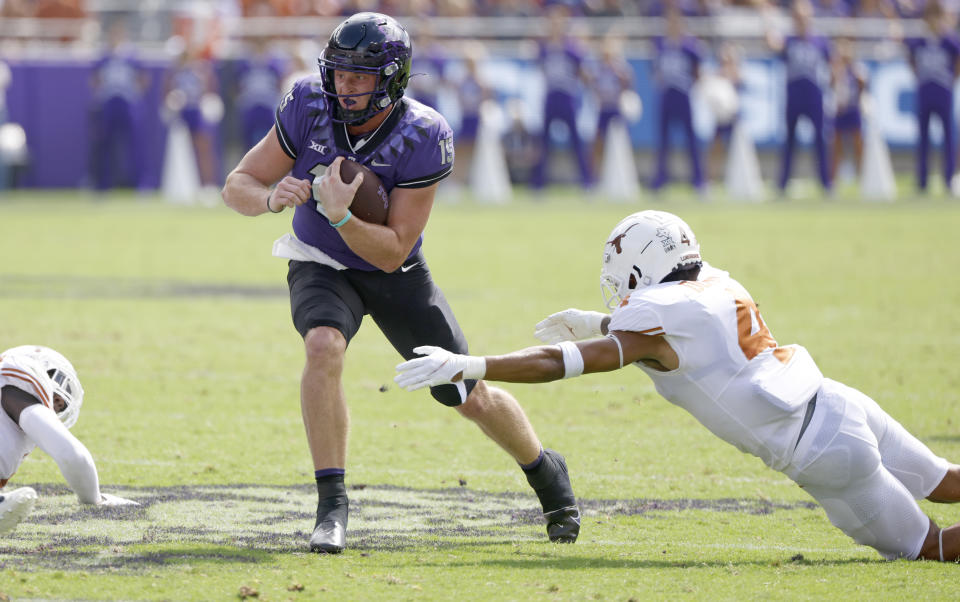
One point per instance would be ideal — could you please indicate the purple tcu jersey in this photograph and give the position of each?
(935, 60)
(677, 62)
(561, 66)
(807, 60)
(412, 148)
(260, 80)
(118, 76)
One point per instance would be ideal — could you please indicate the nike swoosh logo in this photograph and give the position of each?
(377, 164)
(407, 268)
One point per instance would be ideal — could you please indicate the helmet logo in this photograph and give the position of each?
(666, 240)
(616, 240)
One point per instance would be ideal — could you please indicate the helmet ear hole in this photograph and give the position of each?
(632, 283)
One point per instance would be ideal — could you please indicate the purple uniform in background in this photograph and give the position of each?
(561, 69)
(260, 88)
(116, 118)
(470, 93)
(678, 62)
(192, 79)
(807, 61)
(934, 61)
(847, 94)
(426, 75)
(412, 148)
(609, 82)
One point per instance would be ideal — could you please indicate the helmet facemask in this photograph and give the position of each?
(66, 390)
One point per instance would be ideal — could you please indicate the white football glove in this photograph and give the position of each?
(438, 367)
(115, 500)
(569, 325)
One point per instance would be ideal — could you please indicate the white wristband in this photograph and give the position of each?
(572, 359)
(474, 367)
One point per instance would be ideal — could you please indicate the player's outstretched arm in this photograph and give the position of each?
(533, 364)
(72, 457)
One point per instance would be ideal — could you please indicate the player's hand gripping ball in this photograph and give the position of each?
(371, 203)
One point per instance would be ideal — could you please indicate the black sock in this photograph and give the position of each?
(551, 484)
(331, 490)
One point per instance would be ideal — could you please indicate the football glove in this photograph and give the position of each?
(569, 325)
(438, 367)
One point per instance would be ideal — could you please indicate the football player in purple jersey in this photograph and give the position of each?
(342, 268)
(934, 59)
(807, 58)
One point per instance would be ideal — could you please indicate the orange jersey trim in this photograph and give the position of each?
(29, 379)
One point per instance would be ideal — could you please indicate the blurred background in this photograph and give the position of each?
(619, 97)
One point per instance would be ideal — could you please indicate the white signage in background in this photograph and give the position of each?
(762, 102)
(889, 83)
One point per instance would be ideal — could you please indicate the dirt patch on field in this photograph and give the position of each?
(240, 523)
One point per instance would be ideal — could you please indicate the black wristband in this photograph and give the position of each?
(269, 208)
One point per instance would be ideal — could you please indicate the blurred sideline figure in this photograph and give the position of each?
(428, 77)
(118, 83)
(5, 168)
(520, 145)
(612, 77)
(677, 69)
(697, 333)
(725, 105)
(562, 61)
(342, 268)
(260, 74)
(472, 91)
(40, 397)
(807, 57)
(849, 78)
(190, 89)
(934, 59)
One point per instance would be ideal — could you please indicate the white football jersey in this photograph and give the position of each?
(27, 374)
(732, 375)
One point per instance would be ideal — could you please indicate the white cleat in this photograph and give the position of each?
(14, 507)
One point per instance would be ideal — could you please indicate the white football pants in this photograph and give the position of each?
(866, 471)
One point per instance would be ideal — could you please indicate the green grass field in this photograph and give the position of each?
(178, 322)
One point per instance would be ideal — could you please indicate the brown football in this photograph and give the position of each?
(371, 203)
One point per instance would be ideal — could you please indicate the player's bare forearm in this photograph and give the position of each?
(531, 365)
(380, 246)
(245, 194)
(545, 363)
(388, 246)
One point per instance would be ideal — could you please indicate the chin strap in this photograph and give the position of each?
(940, 537)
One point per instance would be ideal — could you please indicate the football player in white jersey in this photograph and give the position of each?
(699, 336)
(40, 398)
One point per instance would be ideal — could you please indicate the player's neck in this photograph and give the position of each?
(370, 124)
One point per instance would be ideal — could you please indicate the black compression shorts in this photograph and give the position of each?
(406, 304)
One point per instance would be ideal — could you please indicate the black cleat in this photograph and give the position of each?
(563, 525)
(330, 531)
(552, 484)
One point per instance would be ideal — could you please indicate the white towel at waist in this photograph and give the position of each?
(291, 247)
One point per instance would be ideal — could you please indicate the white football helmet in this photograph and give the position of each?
(66, 383)
(643, 249)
